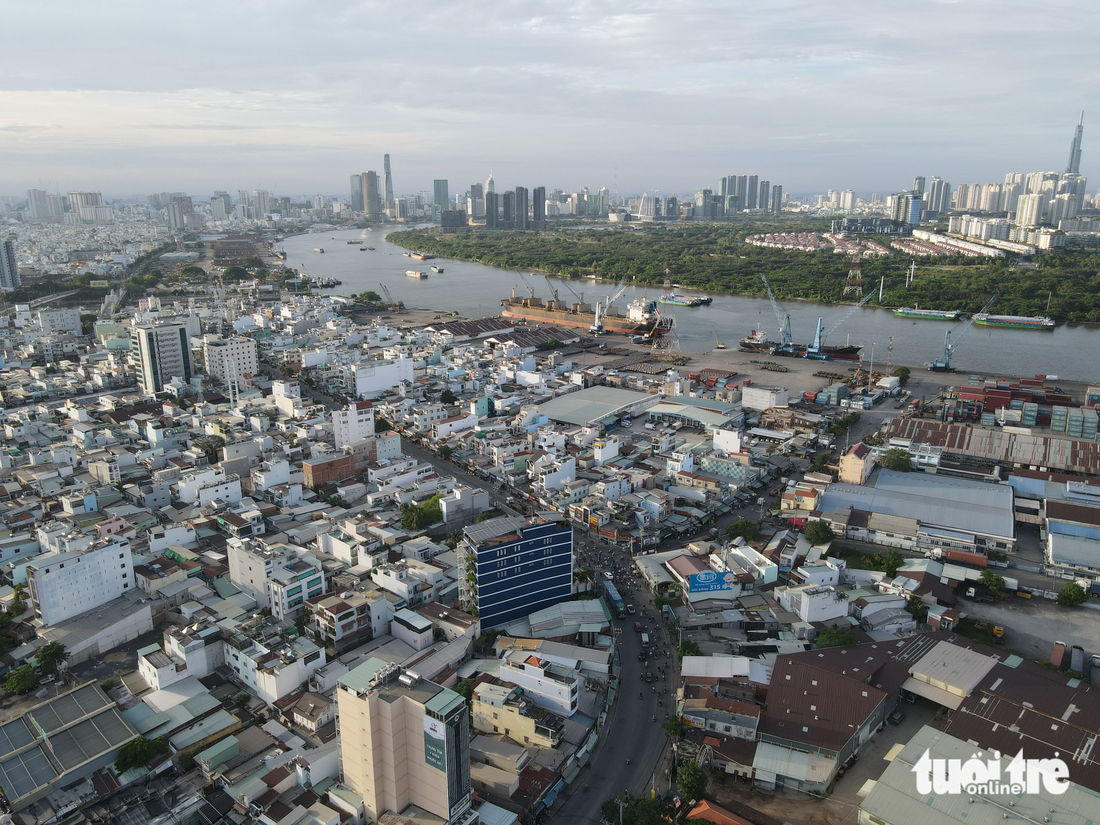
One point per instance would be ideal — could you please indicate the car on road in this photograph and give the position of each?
(630, 609)
(607, 575)
(637, 627)
(897, 717)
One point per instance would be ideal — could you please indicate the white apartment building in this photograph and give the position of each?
(545, 684)
(203, 486)
(425, 416)
(59, 321)
(271, 667)
(351, 618)
(372, 378)
(290, 586)
(353, 424)
(251, 566)
(230, 358)
(412, 629)
(162, 353)
(188, 651)
(413, 582)
(63, 585)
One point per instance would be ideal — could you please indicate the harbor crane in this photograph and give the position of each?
(944, 365)
(530, 289)
(553, 289)
(565, 283)
(785, 341)
(717, 341)
(815, 350)
(602, 308)
(389, 298)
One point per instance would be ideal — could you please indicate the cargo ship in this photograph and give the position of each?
(420, 256)
(928, 314)
(757, 341)
(680, 300)
(984, 319)
(416, 273)
(642, 318)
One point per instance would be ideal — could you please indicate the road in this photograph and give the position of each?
(633, 727)
(498, 498)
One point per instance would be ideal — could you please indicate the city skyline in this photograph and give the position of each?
(640, 99)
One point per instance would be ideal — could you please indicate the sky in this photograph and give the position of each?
(131, 97)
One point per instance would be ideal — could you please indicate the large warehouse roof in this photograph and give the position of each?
(936, 501)
(41, 747)
(590, 405)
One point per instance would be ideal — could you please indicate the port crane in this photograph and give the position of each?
(944, 365)
(565, 284)
(553, 289)
(815, 350)
(785, 340)
(389, 298)
(717, 341)
(602, 308)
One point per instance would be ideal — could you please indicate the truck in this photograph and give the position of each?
(645, 640)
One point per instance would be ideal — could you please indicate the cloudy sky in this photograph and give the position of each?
(293, 96)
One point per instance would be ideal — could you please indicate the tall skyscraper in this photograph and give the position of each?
(519, 214)
(44, 207)
(388, 182)
(918, 184)
(490, 184)
(521, 565)
(475, 206)
(538, 207)
(9, 269)
(404, 741)
(492, 211)
(441, 196)
(356, 193)
(161, 352)
(372, 197)
(765, 194)
(752, 192)
(777, 198)
(507, 209)
(1074, 165)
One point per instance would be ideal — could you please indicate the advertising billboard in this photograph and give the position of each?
(710, 581)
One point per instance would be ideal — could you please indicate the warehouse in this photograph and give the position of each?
(952, 518)
(596, 405)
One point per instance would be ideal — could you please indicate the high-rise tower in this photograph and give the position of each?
(372, 199)
(490, 184)
(9, 267)
(387, 182)
(1074, 166)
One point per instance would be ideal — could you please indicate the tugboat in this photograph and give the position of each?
(437, 269)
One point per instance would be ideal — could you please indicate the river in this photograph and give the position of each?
(474, 290)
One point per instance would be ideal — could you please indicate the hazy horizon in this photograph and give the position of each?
(294, 98)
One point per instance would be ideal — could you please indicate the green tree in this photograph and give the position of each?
(445, 452)
(818, 532)
(50, 656)
(241, 699)
(748, 530)
(691, 779)
(139, 752)
(465, 689)
(672, 727)
(421, 516)
(689, 647)
(1072, 594)
(993, 582)
(902, 373)
(835, 637)
(21, 680)
(447, 397)
(892, 561)
(896, 458)
(917, 607)
(87, 323)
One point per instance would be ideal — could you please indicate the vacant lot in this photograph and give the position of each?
(1032, 626)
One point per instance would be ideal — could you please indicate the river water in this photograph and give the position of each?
(475, 290)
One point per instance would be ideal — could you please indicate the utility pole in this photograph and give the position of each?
(622, 804)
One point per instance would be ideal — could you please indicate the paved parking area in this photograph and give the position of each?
(1033, 625)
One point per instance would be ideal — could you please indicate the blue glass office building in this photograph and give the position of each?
(514, 566)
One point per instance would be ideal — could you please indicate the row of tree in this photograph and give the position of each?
(715, 256)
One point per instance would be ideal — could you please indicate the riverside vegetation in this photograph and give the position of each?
(715, 257)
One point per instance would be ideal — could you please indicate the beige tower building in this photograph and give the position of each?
(404, 741)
